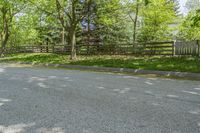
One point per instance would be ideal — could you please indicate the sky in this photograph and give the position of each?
(182, 6)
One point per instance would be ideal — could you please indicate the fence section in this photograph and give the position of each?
(168, 48)
(187, 48)
(155, 48)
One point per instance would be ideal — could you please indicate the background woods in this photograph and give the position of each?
(96, 25)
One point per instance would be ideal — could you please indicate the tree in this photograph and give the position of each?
(196, 19)
(157, 16)
(111, 21)
(190, 27)
(69, 16)
(74, 22)
(69, 13)
(136, 19)
(176, 6)
(134, 11)
(8, 10)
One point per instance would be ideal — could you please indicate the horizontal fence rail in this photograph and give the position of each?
(155, 48)
(168, 48)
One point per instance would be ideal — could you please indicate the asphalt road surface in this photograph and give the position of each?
(42, 100)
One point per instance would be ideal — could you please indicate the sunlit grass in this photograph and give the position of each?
(182, 64)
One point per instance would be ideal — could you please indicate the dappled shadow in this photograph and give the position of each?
(36, 58)
(198, 124)
(2, 70)
(42, 85)
(191, 92)
(122, 91)
(51, 130)
(148, 63)
(66, 77)
(26, 88)
(172, 96)
(3, 101)
(52, 77)
(32, 79)
(42, 82)
(90, 94)
(198, 89)
(154, 79)
(63, 86)
(148, 83)
(195, 112)
(130, 77)
(16, 128)
(149, 93)
(156, 104)
(70, 80)
(101, 88)
(25, 127)
(59, 89)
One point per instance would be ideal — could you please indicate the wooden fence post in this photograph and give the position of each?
(198, 45)
(53, 48)
(173, 48)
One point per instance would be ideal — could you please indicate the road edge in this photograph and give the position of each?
(195, 76)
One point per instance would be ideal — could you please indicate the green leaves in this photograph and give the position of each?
(196, 19)
(190, 27)
(157, 17)
(113, 20)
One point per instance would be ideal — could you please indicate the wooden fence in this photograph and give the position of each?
(187, 48)
(169, 48)
(155, 48)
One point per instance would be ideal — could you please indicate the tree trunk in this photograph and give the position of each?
(3, 44)
(63, 36)
(135, 27)
(73, 43)
(88, 35)
(88, 25)
(4, 37)
(135, 21)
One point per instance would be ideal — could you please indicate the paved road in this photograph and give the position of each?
(39, 100)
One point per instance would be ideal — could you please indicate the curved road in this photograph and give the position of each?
(41, 100)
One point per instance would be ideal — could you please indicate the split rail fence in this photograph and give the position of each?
(168, 48)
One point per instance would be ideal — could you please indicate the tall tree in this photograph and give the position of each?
(196, 19)
(134, 11)
(157, 16)
(110, 21)
(69, 14)
(135, 20)
(176, 6)
(8, 10)
(190, 27)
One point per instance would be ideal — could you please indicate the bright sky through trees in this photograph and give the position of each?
(182, 6)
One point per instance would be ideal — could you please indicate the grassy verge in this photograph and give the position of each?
(182, 64)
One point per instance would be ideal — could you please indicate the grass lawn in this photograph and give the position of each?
(181, 64)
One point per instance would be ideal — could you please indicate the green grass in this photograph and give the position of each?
(181, 64)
